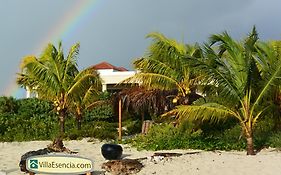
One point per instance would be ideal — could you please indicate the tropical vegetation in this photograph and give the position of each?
(35, 119)
(166, 67)
(56, 78)
(242, 75)
(224, 94)
(237, 78)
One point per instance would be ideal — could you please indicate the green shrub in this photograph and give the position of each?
(102, 112)
(31, 106)
(101, 130)
(34, 119)
(166, 136)
(8, 105)
(132, 126)
(19, 128)
(274, 140)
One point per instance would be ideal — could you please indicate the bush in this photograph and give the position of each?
(101, 130)
(275, 140)
(102, 112)
(166, 136)
(132, 127)
(33, 119)
(41, 127)
(8, 105)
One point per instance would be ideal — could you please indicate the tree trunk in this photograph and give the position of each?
(62, 121)
(78, 117)
(79, 123)
(250, 146)
(250, 142)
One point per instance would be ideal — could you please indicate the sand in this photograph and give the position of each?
(193, 162)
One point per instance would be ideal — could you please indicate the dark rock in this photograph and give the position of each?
(168, 154)
(122, 167)
(22, 163)
(111, 151)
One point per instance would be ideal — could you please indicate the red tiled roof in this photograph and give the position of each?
(106, 65)
(122, 69)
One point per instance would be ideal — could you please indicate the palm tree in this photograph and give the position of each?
(56, 78)
(275, 98)
(166, 67)
(88, 97)
(242, 75)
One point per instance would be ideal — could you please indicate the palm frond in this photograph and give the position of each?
(215, 72)
(212, 112)
(166, 50)
(272, 75)
(82, 85)
(71, 60)
(154, 81)
(156, 66)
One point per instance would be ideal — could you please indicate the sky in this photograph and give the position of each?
(115, 30)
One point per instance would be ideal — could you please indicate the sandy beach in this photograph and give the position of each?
(194, 162)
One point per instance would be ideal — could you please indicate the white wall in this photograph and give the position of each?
(109, 76)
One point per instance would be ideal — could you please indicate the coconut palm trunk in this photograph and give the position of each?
(248, 132)
(62, 115)
(78, 114)
(79, 122)
(250, 145)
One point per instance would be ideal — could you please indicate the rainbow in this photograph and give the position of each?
(76, 16)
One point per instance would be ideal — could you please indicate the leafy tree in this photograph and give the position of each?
(242, 75)
(166, 67)
(55, 77)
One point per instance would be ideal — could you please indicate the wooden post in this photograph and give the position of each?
(146, 126)
(120, 120)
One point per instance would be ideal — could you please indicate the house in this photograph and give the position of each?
(112, 75)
